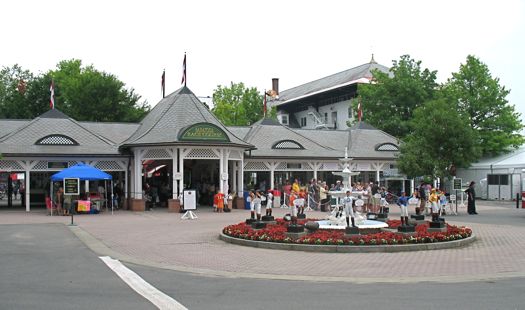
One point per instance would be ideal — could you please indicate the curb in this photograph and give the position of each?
(349, 248)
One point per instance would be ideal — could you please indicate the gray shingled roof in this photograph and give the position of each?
(362, 140)
(22, 140)
(7, 126)
(343, 78)
(117, 132)
(172, 114)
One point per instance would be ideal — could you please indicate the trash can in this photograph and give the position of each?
(276, 198)
(246, 195)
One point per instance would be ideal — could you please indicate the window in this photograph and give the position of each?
(334, 118)
(294, 166)
(287, 144)
(284, 119)
(498, 179)
(387, 147)
(56, 140)
(326, 118)
(303, 121)
(350, 112)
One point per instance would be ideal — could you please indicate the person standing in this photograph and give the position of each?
(422, 199)
(402, 202)
(471, 196)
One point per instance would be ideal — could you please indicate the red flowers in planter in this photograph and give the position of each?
(277, 233)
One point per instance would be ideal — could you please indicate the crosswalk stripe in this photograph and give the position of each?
(148, 291)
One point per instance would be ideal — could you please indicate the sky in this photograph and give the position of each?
(255, 41)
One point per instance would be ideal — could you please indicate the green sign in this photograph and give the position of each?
(457, 184)
(203, 132)
(71, 186)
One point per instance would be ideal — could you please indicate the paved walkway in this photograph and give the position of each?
(161, 239)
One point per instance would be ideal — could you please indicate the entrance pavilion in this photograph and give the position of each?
(181, 144)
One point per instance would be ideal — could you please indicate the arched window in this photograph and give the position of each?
(56, 140)
(387, 147)
(287, 144)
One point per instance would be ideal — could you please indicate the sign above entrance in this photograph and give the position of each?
(203, 132)
(71, 186)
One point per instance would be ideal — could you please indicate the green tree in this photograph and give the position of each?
(14, 84)
(87, 94)
(83, 93)
(483, 101)
(389, 101)
(441, 137)
(237, 105)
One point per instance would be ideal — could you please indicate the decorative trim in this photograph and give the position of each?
(387, 147)
(56, 139)
(287, 145)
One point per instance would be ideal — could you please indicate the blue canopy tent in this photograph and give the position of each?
(84, 172)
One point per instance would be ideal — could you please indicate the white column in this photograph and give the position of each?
(181, 170)
(412, 187)
(241, 175)
(315, 170)
(221, 169)
(272, 175)
(125, 188)
(403, 189)
(137, 188)
(86, 187)
(234, 181)
(174, 160)
(28, 190)
(377, 175)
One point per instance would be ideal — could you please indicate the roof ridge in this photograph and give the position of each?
(330, 75)
(153, 125)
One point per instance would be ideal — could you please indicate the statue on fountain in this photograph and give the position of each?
(347, 202)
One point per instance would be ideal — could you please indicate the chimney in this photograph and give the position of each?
(275, 86)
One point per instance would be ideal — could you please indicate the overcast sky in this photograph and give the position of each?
(254, 41)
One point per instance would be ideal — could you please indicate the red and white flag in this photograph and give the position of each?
(359, 110)
(184, 71)
(52, 97)
(163, 83)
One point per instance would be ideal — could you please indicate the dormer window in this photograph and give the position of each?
(56, 140)
(387, 147)
(287, 144)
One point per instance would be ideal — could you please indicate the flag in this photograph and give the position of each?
(359, 110)
(163, 83)
(184, 71)
(52, 97)
(264, 104)
(22, 86)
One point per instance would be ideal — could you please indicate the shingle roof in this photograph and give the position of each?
(361, 140)
(171, 115)
(22, 140)
(359, 74)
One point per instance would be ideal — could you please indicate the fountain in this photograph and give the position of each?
(334, 222)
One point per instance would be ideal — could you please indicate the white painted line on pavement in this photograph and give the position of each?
(148, 291)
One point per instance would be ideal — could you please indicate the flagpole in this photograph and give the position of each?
(163, 83)
(184, 77)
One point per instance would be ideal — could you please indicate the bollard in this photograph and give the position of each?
(517, 201)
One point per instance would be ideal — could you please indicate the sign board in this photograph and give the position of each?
(452, 198)
(190, 199)
(57, 164)
(203, 132)
(71, 186)
(224, 176)
(457, 184)
(177, 176)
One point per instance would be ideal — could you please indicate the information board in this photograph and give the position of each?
(457, 184)
(190, 199)
(71, 186)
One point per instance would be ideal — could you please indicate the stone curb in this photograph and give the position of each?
(349, 248)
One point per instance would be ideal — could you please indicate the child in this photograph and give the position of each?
(257, 204)
(251, 199)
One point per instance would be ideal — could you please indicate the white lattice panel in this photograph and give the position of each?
(201, 154)
(72, 163)
(108, 165)
(330, 166)
(9, 165)
(281, 166)
(255, 166)
(41, 165)
(157, 154)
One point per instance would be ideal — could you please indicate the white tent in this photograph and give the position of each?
(500, 177)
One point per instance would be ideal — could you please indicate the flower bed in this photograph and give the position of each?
(277, 233)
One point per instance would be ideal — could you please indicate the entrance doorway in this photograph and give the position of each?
(203, 176)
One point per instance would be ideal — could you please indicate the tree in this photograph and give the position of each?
(83, 93)
(441, 138)
(389, 101)
(483, 101)
(237, 105)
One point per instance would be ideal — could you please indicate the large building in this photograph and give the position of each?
(181, 144)
(324, 103)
